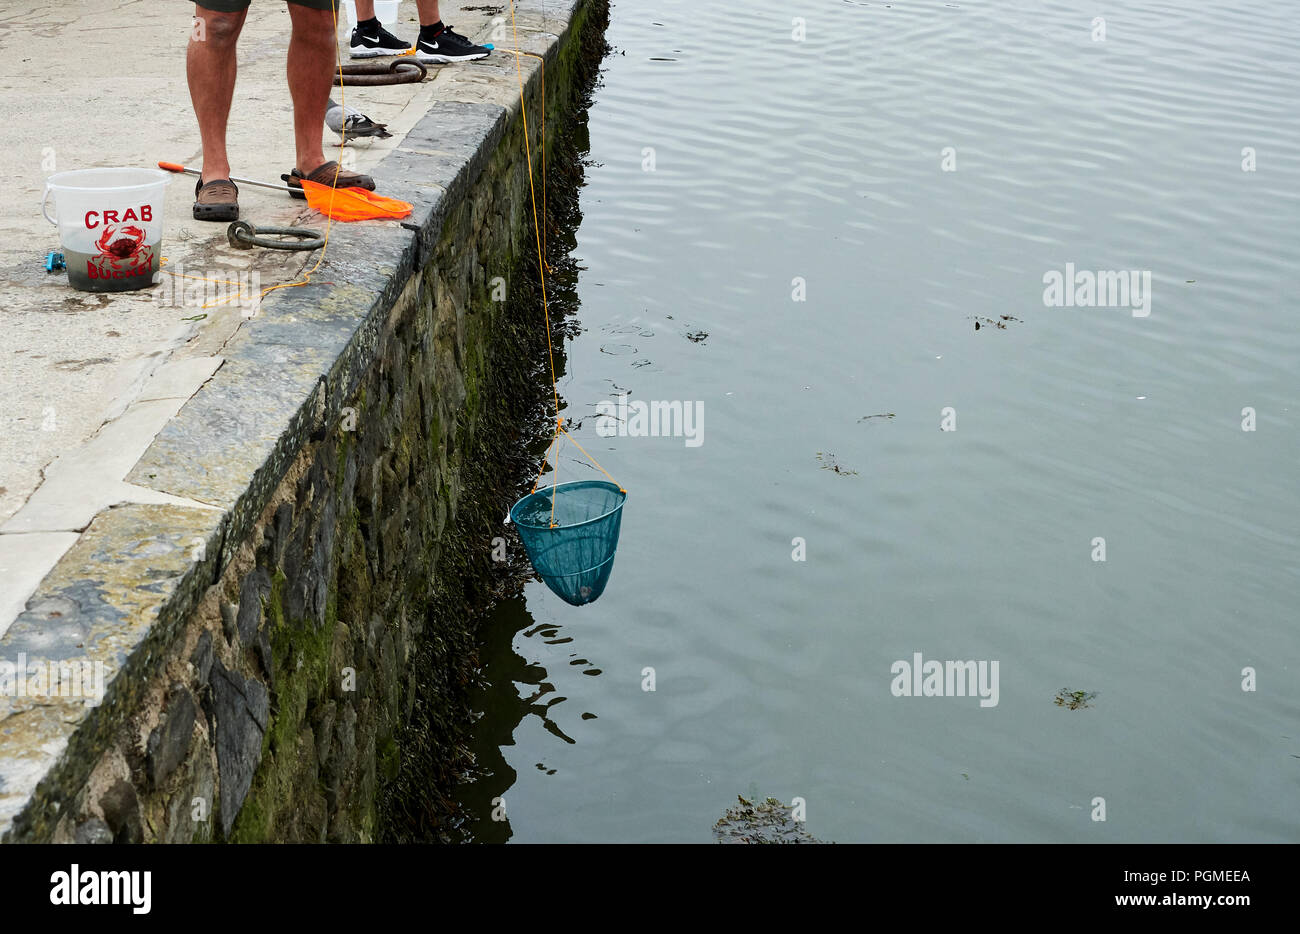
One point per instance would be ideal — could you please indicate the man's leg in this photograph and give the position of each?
(428, 11)
(210, 69)
(311, 75)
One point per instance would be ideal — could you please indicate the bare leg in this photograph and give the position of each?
(210, 70)
(311, 71)
(428, 10)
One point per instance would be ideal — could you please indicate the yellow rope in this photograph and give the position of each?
(593, 460)
(537, 233)
(545, 460)
(545, 214)
(532, 195)
(542, 265)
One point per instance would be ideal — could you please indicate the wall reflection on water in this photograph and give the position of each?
(514, 690)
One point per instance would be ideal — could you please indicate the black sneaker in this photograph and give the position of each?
(448, 46)
(378, 41)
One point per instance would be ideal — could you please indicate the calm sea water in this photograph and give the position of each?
(823, 160)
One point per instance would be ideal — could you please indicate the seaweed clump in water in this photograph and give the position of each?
(767, 822)
(829, 462)
(1074, 700)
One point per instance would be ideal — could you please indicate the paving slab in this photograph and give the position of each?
(24, 562)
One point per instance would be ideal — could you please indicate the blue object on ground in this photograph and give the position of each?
(54, 262)
(488, 45)
(575, 555)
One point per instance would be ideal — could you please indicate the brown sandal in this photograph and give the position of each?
(325, 175)
(217, 200)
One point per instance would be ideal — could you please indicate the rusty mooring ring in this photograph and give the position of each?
(245, 236)
(401, 71)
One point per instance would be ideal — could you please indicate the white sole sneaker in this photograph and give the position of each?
(376, 51)
(436, 58)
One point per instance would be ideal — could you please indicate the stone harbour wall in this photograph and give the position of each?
(357, 450)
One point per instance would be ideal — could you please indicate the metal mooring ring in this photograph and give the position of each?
(245, 236)
(402, 71)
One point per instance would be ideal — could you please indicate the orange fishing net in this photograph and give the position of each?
(352, 204)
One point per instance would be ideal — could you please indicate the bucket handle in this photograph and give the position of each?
(45, 197)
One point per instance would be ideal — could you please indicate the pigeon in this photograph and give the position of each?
(351, 124)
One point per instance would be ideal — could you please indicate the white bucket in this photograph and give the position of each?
(385, 12)
(110, 225)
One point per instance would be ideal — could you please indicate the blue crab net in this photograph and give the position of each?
(576, 555)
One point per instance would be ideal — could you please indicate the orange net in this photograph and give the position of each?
(352, 204)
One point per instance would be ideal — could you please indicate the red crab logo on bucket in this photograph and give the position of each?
(122, 241)
(122, 251)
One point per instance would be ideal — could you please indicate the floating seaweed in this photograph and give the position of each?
(998, 322)
(769, 821)
(829, 462)
(881, 415)
(1074, 700)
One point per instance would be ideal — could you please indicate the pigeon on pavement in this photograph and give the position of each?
(352, 124)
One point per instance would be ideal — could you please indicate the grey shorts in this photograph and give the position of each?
(236, 6)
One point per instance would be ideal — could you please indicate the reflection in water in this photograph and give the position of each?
(512, 690)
